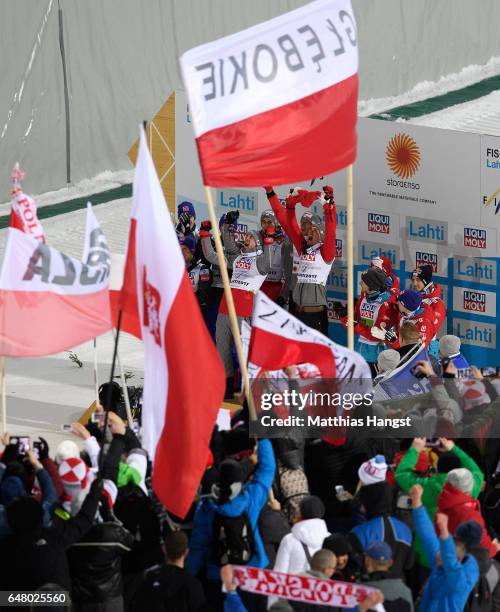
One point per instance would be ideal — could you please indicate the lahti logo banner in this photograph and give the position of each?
(277, 103)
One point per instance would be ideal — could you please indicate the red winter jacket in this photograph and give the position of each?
(436, 304)
(424, 322)
(460, 507)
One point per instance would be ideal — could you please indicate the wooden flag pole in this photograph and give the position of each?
(3, 387)
(350, 261)
(230, 304)
(96, 374)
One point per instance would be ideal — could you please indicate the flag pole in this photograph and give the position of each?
(111, 379)
(125, 391)
(96, 374)
(350, 261)
(230, 305)
(4, 394)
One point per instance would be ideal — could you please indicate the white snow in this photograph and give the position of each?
(429, 89)
(102, 182)
(481, 116)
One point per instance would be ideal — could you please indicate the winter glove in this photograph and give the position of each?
(269, 191)
(339, 309)
(44, 449)
(232, 217)
(184, 224)
(328, 192)
(205, 228)
(390, 337)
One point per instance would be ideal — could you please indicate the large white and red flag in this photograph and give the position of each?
(280, 340)
(276, 103)
(184, 380)
(23, 215)
(50, 302)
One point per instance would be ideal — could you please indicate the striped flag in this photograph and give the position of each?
(184, 379)
(276, 103)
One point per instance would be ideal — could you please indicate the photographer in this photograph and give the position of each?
(13, 476)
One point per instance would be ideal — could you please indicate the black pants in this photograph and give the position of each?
(316, 320)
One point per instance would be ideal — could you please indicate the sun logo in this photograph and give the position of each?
(403, 155)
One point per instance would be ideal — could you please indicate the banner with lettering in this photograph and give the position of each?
(306, 589)
(276, 102)
(421, 195)
(49, 301)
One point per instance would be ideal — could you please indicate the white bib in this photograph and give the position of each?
(199, 272)
(313, 269)
(246, 275)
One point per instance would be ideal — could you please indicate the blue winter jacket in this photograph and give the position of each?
(49, 498)
(251, 500)
(450, 583)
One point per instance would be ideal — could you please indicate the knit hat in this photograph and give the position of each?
(474, 394)
(268, 214)
(383, 263)
(470, 533)
(424, 273)
(74, 475)
(372, 471)
(188, 241)
(379, 551)
(230, 471)
(10, 488)
(449, 345)
(410, 299)
(186, 207)
(447, 462)
(24, 514)
(311, 507)
(67, 449)
(338, 544)
(375, 279)
(423, 464)
(462, 479)
(388, 360)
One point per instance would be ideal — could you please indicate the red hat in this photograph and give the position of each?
(74, 475)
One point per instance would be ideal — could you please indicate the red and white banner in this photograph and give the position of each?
(51, 302)
(276, 103)
(279, 340)
(23, 209)
(184, 380)
(318, 591)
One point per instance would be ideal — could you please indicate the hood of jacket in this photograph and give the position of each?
(311, 532)
(451, 497)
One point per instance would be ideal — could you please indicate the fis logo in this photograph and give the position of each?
(379, 223)
(474, 300)
(422, 258)
(338, 248)
(474, 237)
(494, 154)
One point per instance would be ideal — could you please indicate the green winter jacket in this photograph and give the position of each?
(432, 486)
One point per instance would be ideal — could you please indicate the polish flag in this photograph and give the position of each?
(184, 380)
(23, 208)
(51, 302)
(276, 103)
(279, 340)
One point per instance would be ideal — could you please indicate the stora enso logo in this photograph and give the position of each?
(403, 155)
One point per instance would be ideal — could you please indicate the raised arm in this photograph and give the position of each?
(286, 217)
(328, 248)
